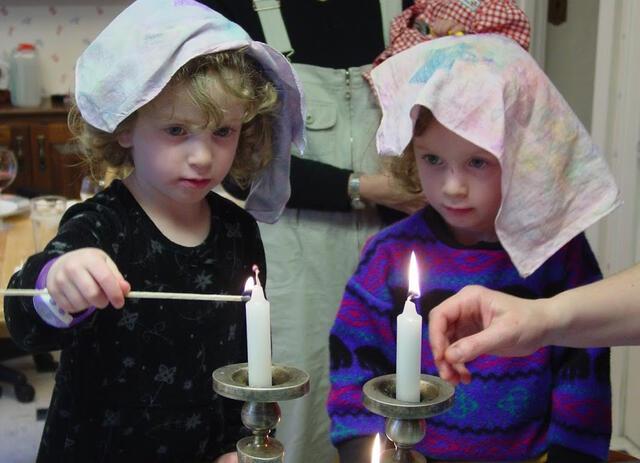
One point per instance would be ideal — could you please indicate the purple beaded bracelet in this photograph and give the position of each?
(48, 310)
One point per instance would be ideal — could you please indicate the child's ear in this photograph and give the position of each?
(125, 139)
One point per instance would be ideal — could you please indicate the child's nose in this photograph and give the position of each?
(455, 185)
(200, 154)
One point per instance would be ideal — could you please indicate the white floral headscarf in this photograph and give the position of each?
(488, 90)
(136, 55)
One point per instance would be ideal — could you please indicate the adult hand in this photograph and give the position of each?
(86, 277)
(231, 457)
(383, 189)
(480, 321)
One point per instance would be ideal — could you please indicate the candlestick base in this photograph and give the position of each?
(260, 412)
(405, 425)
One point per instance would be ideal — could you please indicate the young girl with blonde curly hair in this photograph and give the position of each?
(178, 97)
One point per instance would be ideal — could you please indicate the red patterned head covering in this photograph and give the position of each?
(474, 16)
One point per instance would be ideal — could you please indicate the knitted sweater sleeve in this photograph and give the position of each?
(362, 346)
(580, 426)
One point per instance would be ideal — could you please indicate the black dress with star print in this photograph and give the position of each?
(134, 385)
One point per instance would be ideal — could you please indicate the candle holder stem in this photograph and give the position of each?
(405, 422)
(260, 418)
(405, 434)
(260, 412)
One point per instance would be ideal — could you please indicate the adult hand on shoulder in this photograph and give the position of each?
(480, 321)
(231, 457)
(86, 277)
(384, 190)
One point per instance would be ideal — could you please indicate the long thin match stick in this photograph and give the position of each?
(141, 295)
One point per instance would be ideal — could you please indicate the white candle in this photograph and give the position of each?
(375, 450)
(258, 336)
(409, 342)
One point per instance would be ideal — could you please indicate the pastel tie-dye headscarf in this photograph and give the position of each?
(134, 58)
(488, 90)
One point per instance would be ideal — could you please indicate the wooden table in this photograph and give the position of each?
(16, 244)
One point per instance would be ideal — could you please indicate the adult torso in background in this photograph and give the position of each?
(329, 33)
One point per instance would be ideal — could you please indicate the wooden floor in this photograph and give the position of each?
(620, 457)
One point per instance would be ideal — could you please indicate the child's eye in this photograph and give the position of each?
(477, 163)
(175, 131)
(222, 131)
(432, 159)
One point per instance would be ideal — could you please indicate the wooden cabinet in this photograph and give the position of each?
(48, 160)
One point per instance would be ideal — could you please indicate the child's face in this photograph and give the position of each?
(460, 180)
(175, 157)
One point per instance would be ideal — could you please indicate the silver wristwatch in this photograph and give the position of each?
(353, 190)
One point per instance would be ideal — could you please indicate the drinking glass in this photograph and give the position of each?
(46, 212)
(8, 172)
(90, 187)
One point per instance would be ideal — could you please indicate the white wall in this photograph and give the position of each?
(61, 30)
(616, 129)
(570, 55)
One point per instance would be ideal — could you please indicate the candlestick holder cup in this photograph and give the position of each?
(260, 412)
(405, 422)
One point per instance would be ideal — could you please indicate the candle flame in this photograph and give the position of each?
(375, 450)
(414, 280)
(248, 286)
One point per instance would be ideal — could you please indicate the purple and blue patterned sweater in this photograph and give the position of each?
(557, 400)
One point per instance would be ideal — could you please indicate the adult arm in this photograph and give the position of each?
(581, 378)
(480, 321)
(315, 185)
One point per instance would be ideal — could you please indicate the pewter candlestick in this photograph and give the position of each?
(260, 412)
(405, 424)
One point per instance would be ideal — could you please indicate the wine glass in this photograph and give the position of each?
(90, 186)
(8, 172)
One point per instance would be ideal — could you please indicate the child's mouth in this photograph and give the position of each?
(195, 182)
(458, 210)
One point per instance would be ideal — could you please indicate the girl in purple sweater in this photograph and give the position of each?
(512, 179)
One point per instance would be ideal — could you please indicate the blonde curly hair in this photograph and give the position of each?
(237, 75)
(404, 167)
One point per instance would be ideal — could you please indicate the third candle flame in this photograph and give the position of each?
(375, 450)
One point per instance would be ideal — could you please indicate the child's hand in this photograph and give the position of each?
(84, 278)
(231, 457)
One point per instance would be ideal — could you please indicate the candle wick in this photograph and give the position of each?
(256, 270)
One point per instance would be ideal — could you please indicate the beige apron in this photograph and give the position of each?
(312, 254)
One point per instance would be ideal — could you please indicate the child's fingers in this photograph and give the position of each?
(124, 285)
(114, 268)
(70, 298)
(61, 284)
(108, 279)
